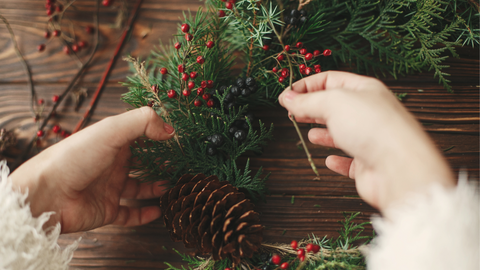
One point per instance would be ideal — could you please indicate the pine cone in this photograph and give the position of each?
(7, 139)
(213, 217)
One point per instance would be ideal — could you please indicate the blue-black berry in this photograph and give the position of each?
(229, 98)
(303, 12)
(217, 140)
(211, 150)
(235, 90)
(232, 130)
(240, 82)
(250, 81)
(246, 92)
(294, 13)
(222, 89)
(240, 135)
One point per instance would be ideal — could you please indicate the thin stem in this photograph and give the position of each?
(292, 118)
(33, 95)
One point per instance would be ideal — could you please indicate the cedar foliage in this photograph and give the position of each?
(379, 37)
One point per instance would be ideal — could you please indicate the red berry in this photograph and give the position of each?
(318, 70)
(185, 76)
(186, 92)
(197, 102)
(210, 103)
(309, 56)
(89, 29)
(75, 48)
(82, 44)
(55, 98)
(299, 45)
(193, 74)
(164, 71)
(40, 133)
(229, 5)
(200, 60)
(50, 11)
(227, 268)
(154, 88)
(66, 50)
(301, 252)
(171, 93)
(302, 258)
(181, 68)
(200, 91)
(209, 84)
(206, 96)
(317, 66)
(285, 73)
(56, 33)
(41, 101)
(188, 37)
(303, 51)
(266, 47)
(315, 248)
(275, 69)
(281, 79)
(302, 66)
(308, 70)
(327, 52)
(185, 28)
(178, 45)
(294, 244)
(203, 84)
(191, 85)
(280, 57)
(65, 134)
(47, 34)
(221, 13)
(210, 44)
(41, 47)
(284, 265)
(56, 129)
(287, 48)
(59, 8)
(276, 259)
(309, 247)
(316, 53)
(106, 3)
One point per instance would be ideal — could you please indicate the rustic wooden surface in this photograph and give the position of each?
(451, 119)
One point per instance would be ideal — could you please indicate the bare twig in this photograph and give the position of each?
(80, 72)
(97, 93)
(33, 95)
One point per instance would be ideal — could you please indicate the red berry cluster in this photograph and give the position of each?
(53, 7)
(298, 55)
(187, 79)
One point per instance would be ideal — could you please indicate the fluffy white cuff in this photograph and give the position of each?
(23, 243)
(437, 231)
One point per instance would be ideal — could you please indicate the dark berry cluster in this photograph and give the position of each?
(243, 87)
(296, 17)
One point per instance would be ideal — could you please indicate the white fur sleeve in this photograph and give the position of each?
(437, 231)
(23, 243)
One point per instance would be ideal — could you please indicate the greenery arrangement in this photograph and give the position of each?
(193, 85)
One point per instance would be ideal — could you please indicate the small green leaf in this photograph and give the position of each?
(293, 200)
(317, 205)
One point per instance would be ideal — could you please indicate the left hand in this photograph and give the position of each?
(83, 177)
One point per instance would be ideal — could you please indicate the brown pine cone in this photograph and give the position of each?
(213, 217)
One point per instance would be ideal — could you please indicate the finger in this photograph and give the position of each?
(134, 189)
(119, 130)
(132, 216)
(310, 105)
(307, 120)
(321, 136)
(341, 165)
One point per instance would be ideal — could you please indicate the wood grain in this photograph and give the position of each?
(451, 119)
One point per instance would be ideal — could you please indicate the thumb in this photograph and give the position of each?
(123, 128)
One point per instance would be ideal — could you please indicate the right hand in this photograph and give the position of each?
(392, 155)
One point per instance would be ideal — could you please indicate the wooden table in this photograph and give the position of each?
(451, 119)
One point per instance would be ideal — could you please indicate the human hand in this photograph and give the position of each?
(83, 177)
(392, 155)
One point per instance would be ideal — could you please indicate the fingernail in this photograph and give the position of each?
(290, 95)
(169, 129)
